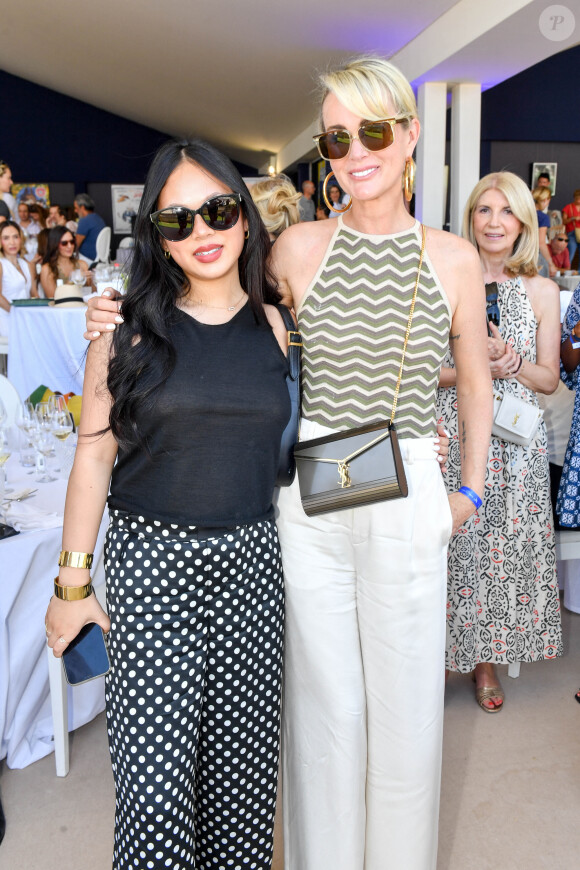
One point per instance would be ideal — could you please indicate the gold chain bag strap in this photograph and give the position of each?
(358, 466)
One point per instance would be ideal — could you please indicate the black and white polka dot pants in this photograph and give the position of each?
(193, 696)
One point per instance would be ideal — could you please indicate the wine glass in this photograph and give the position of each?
(62, 424)
(77, 277)
(5, 454)
(5, 451)
(25, 416)
(43, 442)
(43, 414)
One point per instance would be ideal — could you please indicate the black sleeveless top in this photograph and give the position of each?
(214, 430)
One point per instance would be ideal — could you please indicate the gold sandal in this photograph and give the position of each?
(486, 693)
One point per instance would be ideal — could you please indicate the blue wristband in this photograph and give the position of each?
(472, 496)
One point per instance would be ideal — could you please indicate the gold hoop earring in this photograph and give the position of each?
(326, 200)
(409, 178)
(247, 235)
(167, 254)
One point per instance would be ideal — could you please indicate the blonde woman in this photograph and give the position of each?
(365, 588)
(503, 601)
(277, 201)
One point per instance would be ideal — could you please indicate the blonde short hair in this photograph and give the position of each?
(277, 202)
(369, 86)
(541, 192)
(524, 257)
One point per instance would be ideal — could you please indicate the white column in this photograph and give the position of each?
(430, 156)
(465, 146)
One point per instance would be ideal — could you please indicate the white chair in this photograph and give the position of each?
(127, 242)
(103, 245)
(10, 400)
(59, 702)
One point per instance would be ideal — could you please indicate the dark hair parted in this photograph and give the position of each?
(143, 355)
(53, 240)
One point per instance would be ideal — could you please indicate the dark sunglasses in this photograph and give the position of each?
(561, 239)
(67, 242)
(176, 222)
(372, 135)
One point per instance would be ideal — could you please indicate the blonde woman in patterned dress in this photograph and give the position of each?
(503, 603)
(365, 588)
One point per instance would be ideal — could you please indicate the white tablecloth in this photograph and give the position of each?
(28, 565)
(47, 347)
(569, 282)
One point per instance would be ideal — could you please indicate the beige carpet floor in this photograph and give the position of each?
(510, 796)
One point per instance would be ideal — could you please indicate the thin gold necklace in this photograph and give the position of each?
(195, 303)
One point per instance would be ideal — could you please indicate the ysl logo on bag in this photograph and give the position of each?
(344, 474)
(515, 420)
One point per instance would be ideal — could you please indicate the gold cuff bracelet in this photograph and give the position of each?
(72, 593)
(69, 559)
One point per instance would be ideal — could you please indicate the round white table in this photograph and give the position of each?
(28, 565)
(46, 346)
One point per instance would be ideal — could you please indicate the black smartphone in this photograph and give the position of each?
(86, 657)
(491, 305)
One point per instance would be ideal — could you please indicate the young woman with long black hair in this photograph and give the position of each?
(190, 398)
(365, 588)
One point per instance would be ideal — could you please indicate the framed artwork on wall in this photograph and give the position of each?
(125, 201)
(30, 193)
(549, 169)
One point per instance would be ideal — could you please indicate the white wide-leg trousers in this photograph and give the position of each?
(364, 675)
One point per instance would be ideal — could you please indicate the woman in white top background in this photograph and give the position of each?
(17, 276)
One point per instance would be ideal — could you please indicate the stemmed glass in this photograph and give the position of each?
(77, 277)
(5, 454)
(42, 439)
(25, 416)
(62, 424)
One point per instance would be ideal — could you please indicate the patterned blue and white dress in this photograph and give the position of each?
(568, 503)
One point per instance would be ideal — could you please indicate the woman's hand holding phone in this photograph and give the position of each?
(64, 620)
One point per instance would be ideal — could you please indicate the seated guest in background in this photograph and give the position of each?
(4, 212)
(306, 205)
(24, 220)
(277, 201)
(37, 213)
(56, 216)
(571, 218)
(17, 276)
(321, 213)
(5, 187)
(336, 200)
(558, 248)
(59, 260)
(544, 181)
(42, 241)
(30, 228)
(542, 196)
(89, 226)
